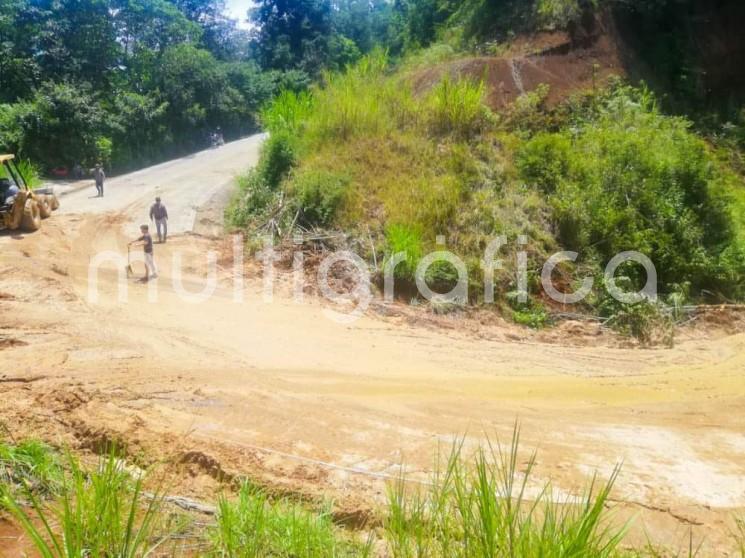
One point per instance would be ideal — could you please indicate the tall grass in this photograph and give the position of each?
(254, 526)
(457, 106)
(740, 535)
(480, 508)
(362, 101)
(485, 505)
(287, 111)
(365, 101)
(29, 173)
(351, 103)
(98, 513)
(406, 239)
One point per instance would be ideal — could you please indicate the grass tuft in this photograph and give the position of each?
(480, 507)
(30, 463)
(253, 526)
(98, 513)
(457, 107)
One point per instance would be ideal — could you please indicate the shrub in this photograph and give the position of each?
(529, 113)
(258, 189)
(318, 194)
(252, 201)
(634, 179)
(441, 276)
(558, 13)
(645, 320)
(729, 273)
(534, 318)
(278, 156)
(544, 160)
(530, 313)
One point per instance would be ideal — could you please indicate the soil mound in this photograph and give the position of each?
(566, 62)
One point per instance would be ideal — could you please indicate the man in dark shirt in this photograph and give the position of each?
(147, 244)
(99, 177)
(159, 214)
(8, 191)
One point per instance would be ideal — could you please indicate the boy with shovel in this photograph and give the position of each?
(147, 244)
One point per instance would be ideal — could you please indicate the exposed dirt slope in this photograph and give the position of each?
(567, 64)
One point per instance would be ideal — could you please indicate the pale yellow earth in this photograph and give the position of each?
(281, 392)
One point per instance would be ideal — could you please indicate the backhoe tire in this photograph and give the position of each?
(31, 217)
(45, 209)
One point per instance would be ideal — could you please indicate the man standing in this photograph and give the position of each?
(99, 176)
(159, 214)
(8, 191)
(147, 245)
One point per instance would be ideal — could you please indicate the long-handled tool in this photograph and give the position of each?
(130, 271)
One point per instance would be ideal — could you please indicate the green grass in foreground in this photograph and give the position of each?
(98, 512)
(480, 505)
(253, 526)
(30, 463)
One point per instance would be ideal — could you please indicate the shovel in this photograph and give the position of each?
(130, 271)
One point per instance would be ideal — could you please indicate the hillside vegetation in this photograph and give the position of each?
(604, 173)
(607, 170)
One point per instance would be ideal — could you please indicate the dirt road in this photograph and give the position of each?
(187, 184)
(280, 392)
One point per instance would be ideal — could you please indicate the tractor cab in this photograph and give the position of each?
(20, 206)
(10, 184)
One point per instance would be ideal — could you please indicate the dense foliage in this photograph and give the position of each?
(124, 81)
(130, 82)
(628, 177)
(365, 153)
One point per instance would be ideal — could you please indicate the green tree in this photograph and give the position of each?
(368, 23)
(61, 125)
(292, 33)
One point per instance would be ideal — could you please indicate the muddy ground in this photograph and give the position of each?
(278, 392)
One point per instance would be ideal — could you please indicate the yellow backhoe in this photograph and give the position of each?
(20, 206)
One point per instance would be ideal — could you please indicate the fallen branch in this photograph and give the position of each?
(22, 380)
(184, 503)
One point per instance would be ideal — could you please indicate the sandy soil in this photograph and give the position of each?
(279, 392)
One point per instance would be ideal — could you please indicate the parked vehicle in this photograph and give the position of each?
(20, 206)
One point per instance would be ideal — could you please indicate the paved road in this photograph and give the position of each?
(185, 185)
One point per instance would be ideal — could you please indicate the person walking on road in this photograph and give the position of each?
(147, 244)
(99, 176)
(159, 214)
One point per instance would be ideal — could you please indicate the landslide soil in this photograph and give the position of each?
(279, 392)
